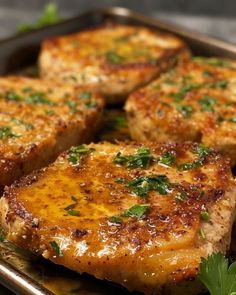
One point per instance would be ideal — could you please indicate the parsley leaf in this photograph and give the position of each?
(114, 58)
(56, 248)
(167, 159)
(202, 152)
(141, 159)
(213, 61)
(186, 110)
(142, 185)
(217, 276)
(50, 16)
(6, 131)
(207, 103)
(76, 152)
(136, 211)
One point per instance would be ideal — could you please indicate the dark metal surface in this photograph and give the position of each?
(21, 51)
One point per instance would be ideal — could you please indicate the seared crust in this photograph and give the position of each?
(161, 250)
(112, 59)
(195, 101)
(40, 120)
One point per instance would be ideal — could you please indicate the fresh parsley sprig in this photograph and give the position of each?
(216, 274)
(141, 159)
(76, 152)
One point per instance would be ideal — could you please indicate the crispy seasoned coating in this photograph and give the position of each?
(195, 101)
(141, 215)
(112, 59)
(40, 120)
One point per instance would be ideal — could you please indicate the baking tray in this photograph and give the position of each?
(21, 271)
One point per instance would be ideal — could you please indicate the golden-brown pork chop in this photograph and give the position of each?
(138, 215)
(195, 101)
(112, 59)
(40, 120)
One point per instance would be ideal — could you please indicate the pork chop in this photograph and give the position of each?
(195, 101)
(141, 215)
(112, 59)
(40, 120)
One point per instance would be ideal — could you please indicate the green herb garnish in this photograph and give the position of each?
(222, 84)
(141, 159)
(181, 197)
(179, 96)
(73, 212)
(72, 106)
(207, 103)
(85, 95)
(232, 120)
(11, 95)
(50, 16)
(216, 274)
(75, 154)
(38, 98)
(114, 58)
(120, 180)
(202, 234)
(136, 211)
(2, 237)
(27, 126)
(167, 159)
(202, 150)
(141, 186)
(213, 61)
(204, 216)
(116, 219)
(186, 110)
(56, 248)
(6, 132)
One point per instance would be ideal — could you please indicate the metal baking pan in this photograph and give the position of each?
(21, 271)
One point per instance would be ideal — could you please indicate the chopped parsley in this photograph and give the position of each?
(167, 159)
(207, 103)
(136, 211)
(120, 180)
(73, 212)
(11, 95)
(85, 95)
(213, 61)
(115, 219)
(204, 216)
(75, 154)
(49, 112)
(38, 98)
(56, 248)
(27, 126)
(142, 185)
(31, 97)
(6, 132)
(202, 234)
(202, 152)
(181, 197)
(114, 58)
(222, 84)
(179, 96)
(2, 237)
(216, 274)
(189, 166)
(70, 208)
(141, 159)
(186, 110)
(72, 106)
(232, 120)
